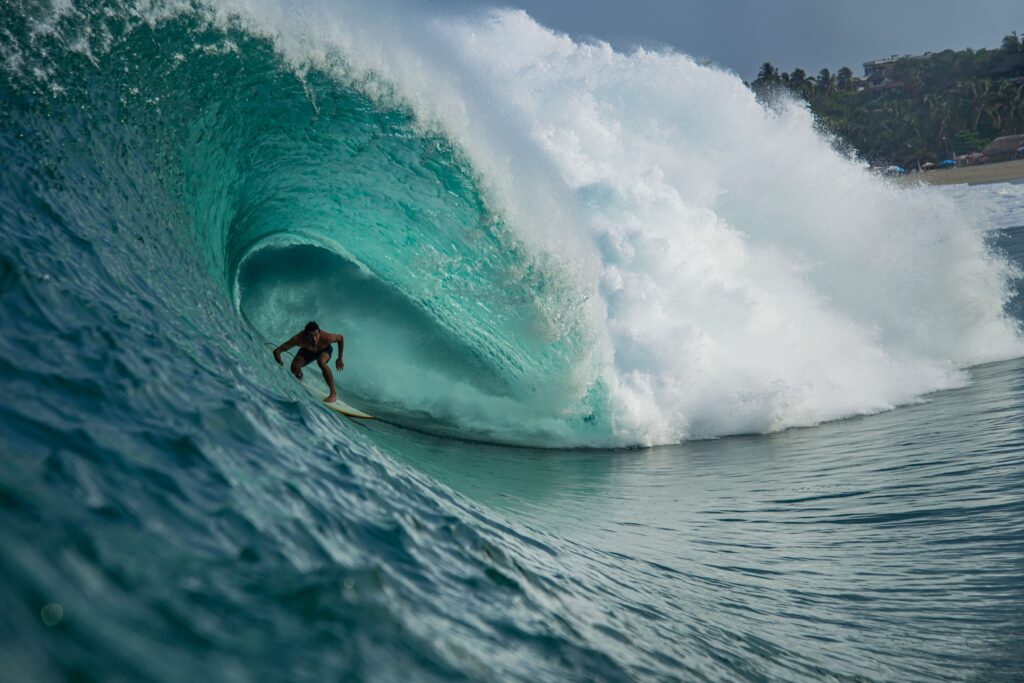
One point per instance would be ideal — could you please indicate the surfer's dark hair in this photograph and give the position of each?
(311, 327)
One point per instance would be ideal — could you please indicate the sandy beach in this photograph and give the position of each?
(974, 175)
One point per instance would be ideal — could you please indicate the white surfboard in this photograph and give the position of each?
(339, 406)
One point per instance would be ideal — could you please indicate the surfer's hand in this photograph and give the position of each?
(340, 364)
(277, 357)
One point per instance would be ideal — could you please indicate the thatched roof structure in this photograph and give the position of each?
(1004, 145)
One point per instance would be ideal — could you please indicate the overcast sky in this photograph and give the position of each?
(741, 34)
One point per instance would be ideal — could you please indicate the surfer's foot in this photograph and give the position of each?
(331, 399)
(298, 375)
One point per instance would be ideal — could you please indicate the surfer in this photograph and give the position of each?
(314, 345)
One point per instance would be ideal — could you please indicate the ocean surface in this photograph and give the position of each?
(671, 389)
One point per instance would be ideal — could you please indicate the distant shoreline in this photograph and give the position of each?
(973, 175)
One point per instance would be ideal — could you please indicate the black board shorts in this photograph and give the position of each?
(310, 356)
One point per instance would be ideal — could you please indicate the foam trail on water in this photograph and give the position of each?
(738, 274)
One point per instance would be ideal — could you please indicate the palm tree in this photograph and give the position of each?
(844, 78)
(995, 108)
(826, 82)
(974, 94)
(911, 72)
(768, 73)
(766, 82)
(941, 111)
(1004, 107)
(1011, 43)
(799, 83)
(1015, 110)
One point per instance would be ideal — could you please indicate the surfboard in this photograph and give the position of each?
(338, 406)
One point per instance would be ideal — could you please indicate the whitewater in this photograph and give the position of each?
(671, 387)
(727, 272)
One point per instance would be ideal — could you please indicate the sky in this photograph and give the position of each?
(740, 35)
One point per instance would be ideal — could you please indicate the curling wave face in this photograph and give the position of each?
(532, 240)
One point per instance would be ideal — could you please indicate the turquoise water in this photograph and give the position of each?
(837, 493)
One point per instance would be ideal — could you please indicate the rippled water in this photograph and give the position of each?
(887, 547)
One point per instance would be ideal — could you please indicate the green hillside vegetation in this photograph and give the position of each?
(925, 109)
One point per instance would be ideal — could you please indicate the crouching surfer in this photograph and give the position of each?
(314, 345)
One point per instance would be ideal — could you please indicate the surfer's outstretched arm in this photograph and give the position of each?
(340, 363)
(284, 347)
